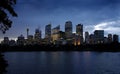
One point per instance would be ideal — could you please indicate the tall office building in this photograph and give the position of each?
(62, 34)
(30, 40)
(99, 36)
(68, 30)
(79, 33)
(79, 29)
(87, 37)
(21, 40)
(56, 33)
(37, 36)
(91, 39)
(48, 31)
(109, 38)
(115, 38)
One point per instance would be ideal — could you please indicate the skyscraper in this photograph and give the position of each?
(109, 38)
(56, 33)
(99, 36)
(48, 31)
(30, 40)
(91, 39)
(115, 38)
(79, 33)
(68, 30)
(20, 40)
(79, 29)
(87, 37)
(37, 36)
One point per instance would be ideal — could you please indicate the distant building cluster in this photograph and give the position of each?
(58, 37)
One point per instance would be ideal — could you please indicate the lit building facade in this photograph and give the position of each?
(76, 39)
(62, 34)
(56, 33)
(30, 40)
(79, 33)
(47, 38)
(37, 36)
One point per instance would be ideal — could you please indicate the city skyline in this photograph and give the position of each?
(56, 36)
(78, 31)
(103, 14)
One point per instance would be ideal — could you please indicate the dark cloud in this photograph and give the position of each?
(78, 4)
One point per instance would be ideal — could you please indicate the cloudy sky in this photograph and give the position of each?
(93, 14)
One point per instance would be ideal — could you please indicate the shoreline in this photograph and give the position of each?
(113, 47)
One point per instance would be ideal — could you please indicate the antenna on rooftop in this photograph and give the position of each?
(27, 31)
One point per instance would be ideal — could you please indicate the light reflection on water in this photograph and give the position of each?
(63, 63)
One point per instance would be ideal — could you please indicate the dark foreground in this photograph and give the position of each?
(3, 64)
(113, 47)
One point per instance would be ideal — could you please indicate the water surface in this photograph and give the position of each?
(63, 62)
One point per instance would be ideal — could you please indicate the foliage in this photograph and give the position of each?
(5, 7)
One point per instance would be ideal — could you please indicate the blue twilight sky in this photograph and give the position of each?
(93, 14)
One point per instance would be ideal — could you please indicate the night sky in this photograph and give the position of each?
(93, 14)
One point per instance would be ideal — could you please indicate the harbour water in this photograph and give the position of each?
(63, 62)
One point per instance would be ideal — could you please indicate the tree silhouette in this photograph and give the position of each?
(3, 64)
(5, 7)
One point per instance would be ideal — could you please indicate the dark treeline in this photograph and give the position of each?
(113, 47)
(3, 64)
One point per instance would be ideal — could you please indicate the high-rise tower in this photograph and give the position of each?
(27, 32)
(79, 33)
(99, 36)
(48, 31)
(87, 37)
(68, 30)
(115, 38)
(110, 38)
(37, 36)
(79, 29)
(55, 33)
